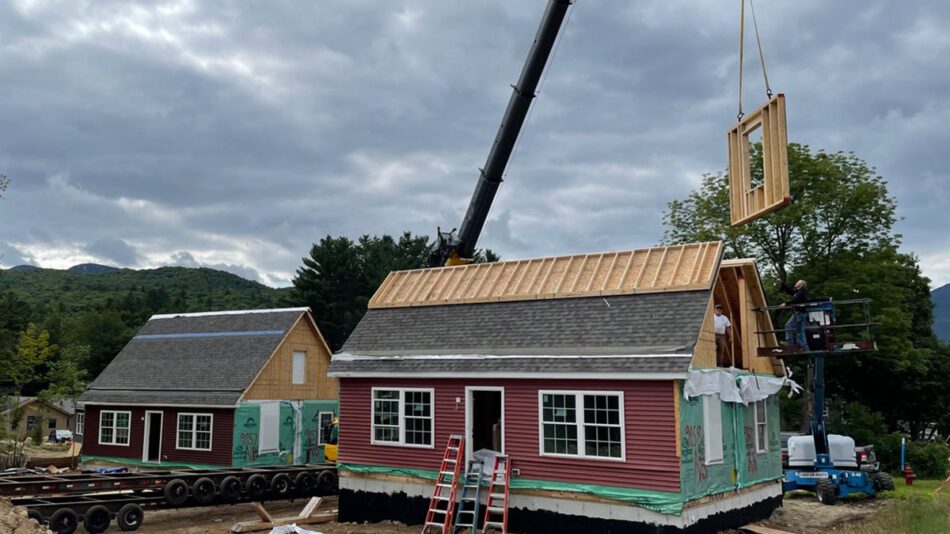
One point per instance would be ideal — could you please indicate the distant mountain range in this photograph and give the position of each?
(941, 300)
(90, 286)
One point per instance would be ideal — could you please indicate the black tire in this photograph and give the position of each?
(827, 493)
(130, 517)
(304, 483)
(96, 519)
(36, 515)
(327, 482)
(230, 488)
(64, 521)
(203, 490)
(280, 485)
(256, 486)
(882, 481)
(176, 492)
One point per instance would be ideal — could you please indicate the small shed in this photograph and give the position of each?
(595, 374)
(230, 388)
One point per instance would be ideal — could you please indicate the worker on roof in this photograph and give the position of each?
(723, 327)
(795, 326)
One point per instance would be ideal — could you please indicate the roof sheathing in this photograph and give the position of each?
(653, 270)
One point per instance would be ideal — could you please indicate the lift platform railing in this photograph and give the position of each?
(831, 327)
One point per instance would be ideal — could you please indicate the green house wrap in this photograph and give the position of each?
(280, 432)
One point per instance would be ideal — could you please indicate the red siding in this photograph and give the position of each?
(651, 460)
(222, 436)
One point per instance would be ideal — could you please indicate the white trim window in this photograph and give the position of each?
(712, 423)
(403, 416)
(760, 414)
(324, 419)
(80, 423)
(114, 427)
(588, 424)
(299, 375)
(194, 431)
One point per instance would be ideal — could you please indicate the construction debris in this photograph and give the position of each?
(307, 516)
(14, 520)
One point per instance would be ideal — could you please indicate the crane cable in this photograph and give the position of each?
(758, 42)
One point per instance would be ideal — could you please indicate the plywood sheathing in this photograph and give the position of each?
(672, 268)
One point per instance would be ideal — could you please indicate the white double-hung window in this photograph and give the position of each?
(761, 426)
(403, 416)
(194, 431)
(114, 427)
(587, 424)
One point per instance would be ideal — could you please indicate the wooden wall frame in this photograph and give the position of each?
(746, 202)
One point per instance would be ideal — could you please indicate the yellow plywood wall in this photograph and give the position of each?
(275, 381)
(672, 268)
(739, 290)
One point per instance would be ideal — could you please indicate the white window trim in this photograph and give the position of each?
(193, 431)
(581, 437)
(293, 361)
(115, 419)
(760, 447)
(80, 423)
(402, 418)
(706, 416)
(320, 415)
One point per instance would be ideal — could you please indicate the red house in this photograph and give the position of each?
(231, 388)
(575, 367)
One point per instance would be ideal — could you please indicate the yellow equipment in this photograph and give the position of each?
(331, 436)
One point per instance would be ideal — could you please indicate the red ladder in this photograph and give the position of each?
(442, 505)
(498, 491)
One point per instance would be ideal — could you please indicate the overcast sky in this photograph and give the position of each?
(235, 134)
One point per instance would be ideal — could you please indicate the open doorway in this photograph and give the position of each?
(153, 437)
(485, 419)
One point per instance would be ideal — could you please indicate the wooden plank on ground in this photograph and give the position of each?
(307, 516)
(762, 529)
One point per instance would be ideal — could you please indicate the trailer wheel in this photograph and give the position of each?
(304, 483)
(256, 486)
(176, 492)
(280, 485)
(96, 519)
(64, 521)
(35, 514)
(230, 488)
(882, 481)
(327, 481)
(203, 490)
(130, 517)
(827, 494)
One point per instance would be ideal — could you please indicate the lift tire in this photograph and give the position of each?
(35, 514)
(64, 521)
(203, 490)
(96, 519)
(256, 486)
(230, 488)
(882, 481)
(827, 493)
(130, 517)
(304, 483)
(175, 492)
(327, 481)
(280, 485)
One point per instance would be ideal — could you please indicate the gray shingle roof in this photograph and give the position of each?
(639, 324)
(192, 359)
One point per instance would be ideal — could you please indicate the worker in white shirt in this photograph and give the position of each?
(723, 329)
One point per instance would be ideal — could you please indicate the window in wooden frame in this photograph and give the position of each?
(746, 202)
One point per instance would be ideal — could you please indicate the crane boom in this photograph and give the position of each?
(451, 248)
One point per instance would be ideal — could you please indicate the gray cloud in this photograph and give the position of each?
(12, 256)
(239, 133)
(114, 250)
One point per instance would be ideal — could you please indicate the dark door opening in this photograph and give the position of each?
(487, 431)
(154, 445)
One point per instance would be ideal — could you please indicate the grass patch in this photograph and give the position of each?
(912, 509)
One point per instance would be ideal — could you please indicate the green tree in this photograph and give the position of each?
(104, 332)
(33, 351)
(67, 374)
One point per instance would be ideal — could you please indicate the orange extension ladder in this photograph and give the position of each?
(442, 504)
(498, 496)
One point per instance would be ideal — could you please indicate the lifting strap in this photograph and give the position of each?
(758, 42)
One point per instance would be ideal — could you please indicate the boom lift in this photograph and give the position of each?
(451, 248)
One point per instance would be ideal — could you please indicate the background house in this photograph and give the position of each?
(576, 368)
(58, 415)
(234, 388)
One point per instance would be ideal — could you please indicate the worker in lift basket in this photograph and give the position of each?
(723, 329)
(795, 327)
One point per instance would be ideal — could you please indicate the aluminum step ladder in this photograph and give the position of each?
(466, 517)
(496, 510)
(442, 505)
